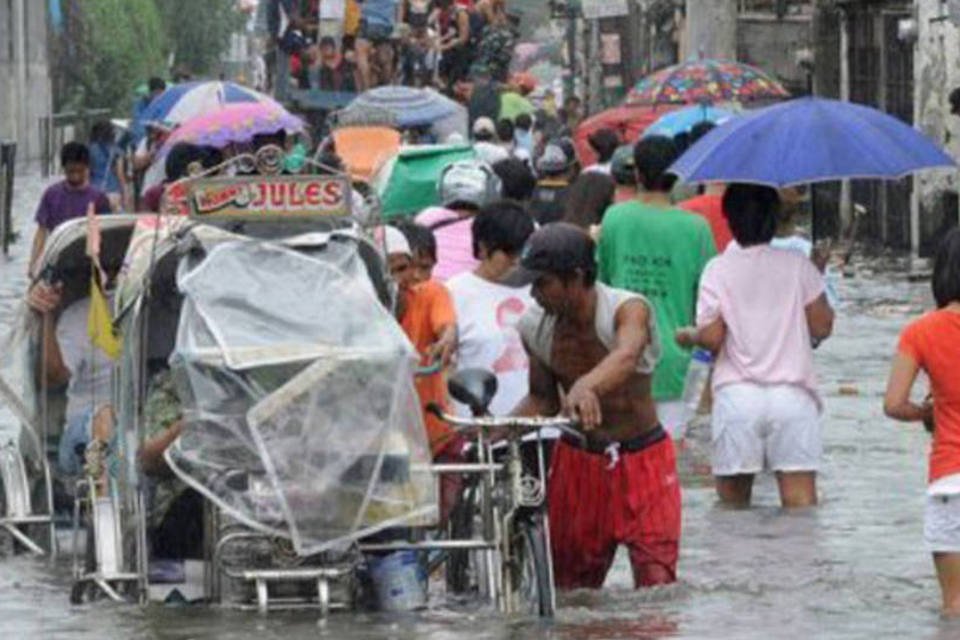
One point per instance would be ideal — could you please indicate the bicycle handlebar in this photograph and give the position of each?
(524, 425)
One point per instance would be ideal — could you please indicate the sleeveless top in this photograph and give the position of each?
(536, 327)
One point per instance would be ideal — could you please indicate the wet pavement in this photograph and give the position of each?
(853, 568)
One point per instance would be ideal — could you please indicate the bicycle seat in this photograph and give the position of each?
(474, 388)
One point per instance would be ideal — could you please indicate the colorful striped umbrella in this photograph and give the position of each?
(706, 81)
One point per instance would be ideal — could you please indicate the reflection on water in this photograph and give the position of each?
(853, 568)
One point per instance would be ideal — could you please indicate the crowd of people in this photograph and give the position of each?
(355, 45)
(585, 290)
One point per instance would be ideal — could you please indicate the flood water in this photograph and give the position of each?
(853, 568)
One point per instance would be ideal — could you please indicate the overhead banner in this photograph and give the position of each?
(255, 197)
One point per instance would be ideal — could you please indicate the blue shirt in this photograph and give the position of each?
(103, 158)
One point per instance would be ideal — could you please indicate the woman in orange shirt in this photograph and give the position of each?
(932, 343)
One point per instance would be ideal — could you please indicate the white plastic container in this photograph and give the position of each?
(399, 581)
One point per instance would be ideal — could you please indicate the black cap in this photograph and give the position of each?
(555, 248)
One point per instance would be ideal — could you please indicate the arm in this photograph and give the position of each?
(150, 455)
(896, 401)
(542, 398)
(614, 370)
(57, 373)
(39, 242)
(709, 336)
(820, 318)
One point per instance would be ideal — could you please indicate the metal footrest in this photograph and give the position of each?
(16, 494)
(261, 578)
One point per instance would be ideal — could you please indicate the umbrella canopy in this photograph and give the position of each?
(809, 140)
(629, 122)
(407, 184)
(684, 120)
(513, 104)
(708, 81)
(185, 101)
(410, 106)
(364, 149)
(233, 124)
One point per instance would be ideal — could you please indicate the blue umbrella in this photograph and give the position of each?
(683, 121)
(809, 140)
(184, 101)
(410, 107)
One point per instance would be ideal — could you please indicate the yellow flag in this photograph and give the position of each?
(100, 323)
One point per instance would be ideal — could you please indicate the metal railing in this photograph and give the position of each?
(8, 161)
(57, 128)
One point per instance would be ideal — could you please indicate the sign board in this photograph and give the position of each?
(597, 9)
(261, 197)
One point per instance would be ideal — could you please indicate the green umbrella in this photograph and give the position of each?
(514, 104)
(407, 184)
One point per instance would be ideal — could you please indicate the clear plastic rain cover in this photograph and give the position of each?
(301, 415)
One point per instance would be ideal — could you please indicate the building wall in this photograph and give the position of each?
(936, 74)
(22, 104)
(773, 44)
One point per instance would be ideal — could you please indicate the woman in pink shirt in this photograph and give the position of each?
(465, 187)
(759, 311)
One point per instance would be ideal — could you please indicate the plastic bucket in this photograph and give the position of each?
(399, 581)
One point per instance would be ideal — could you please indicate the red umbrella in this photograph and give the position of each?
(629, 122)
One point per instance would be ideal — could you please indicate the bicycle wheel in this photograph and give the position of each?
(532, 585)
(461, 527)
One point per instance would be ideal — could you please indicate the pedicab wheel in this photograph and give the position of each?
(461, 527)
(533, 589)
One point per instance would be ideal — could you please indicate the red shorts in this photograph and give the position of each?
(594, 508)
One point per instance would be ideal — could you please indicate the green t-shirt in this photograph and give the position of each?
(659, 252)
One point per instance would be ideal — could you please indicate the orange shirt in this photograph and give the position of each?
(933, 342)
(428, 311)
(710, 206)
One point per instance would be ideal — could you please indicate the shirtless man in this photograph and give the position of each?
(592, 352)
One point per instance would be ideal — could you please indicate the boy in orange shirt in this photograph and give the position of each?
(425, 311)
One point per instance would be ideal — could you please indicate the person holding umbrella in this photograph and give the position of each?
(766, 410)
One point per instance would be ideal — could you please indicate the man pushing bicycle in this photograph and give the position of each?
(592, 353)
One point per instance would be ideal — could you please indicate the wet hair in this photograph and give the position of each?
(682, 142)
(183, 154)
(946, 270)
(74, 153)
(653, 156)
(102, 132)
(517, 181)
(588, 198)
(523, 122)
(505, 130)
(752, 211)
(156, 84)
(421, 238)
(699, 130)
(604, 142)
(501, 226)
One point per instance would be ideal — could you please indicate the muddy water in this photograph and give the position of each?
(854, 568)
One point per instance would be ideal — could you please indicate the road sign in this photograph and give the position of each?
(596, 9)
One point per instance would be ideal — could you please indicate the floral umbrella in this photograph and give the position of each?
(706, 81)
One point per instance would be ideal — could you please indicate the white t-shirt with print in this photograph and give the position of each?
(487, 317)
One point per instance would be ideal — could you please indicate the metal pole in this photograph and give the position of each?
(846, 194)
(571, 84)
(20, 55)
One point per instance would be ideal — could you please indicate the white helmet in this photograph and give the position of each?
(468, 183)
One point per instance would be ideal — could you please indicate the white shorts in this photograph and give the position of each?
(941, 524)
(671, 415)
(757, 427)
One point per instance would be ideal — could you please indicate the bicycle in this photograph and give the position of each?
(516, 569)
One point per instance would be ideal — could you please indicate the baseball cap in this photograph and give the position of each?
(559, 247)
(484, 125)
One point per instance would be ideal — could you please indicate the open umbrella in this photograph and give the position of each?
(364, 149)
(629, 122)
(184, 101)
(806, 141)
(684, 120)
(410, 106)
(513, 104)
(706, 81)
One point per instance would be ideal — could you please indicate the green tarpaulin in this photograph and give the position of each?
(407, 184)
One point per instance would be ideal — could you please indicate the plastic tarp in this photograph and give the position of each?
(301, 415)
(408, 183)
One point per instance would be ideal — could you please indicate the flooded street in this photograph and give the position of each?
(854, 568)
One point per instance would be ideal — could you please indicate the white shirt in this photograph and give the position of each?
(91, 370)
(487, 317)
(606, 168)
